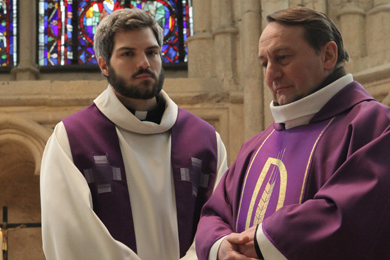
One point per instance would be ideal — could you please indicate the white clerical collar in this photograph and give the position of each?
(109, 104)
(302, 111)
(141, 115)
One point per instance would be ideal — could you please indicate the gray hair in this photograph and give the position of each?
(118, 21)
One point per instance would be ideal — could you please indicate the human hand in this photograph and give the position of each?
(245, 242)
(230, 248)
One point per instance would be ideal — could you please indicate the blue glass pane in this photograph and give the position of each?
(8, 33)
(54, 32)
(65, 39)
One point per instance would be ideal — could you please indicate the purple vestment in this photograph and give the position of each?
(96, 153)
(320, 190)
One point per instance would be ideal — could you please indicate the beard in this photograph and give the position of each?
(144, 90)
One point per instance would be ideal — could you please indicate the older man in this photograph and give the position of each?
(315, 183)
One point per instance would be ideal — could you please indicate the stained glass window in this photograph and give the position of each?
(67, 27)
(8, 33)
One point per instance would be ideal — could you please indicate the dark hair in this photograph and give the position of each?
(318, 28)
(122, 20)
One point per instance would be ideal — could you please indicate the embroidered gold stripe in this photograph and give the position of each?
(246, 177)
(266, 196)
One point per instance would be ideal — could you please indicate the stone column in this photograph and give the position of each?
(318, 5)
(353, 28)
(224, 45)
(271, 6)
(200, 45)
(251, 72)
(27, 68)
(378, 31)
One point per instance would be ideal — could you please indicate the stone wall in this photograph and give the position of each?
(223, 85)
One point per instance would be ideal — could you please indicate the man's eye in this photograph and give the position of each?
(264, 64)
(282, 58)
(127, 54)
(152, 53)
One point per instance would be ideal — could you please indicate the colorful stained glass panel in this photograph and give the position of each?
(66, 28)
(8, 33)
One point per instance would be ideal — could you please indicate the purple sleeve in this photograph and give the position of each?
(216, 219)
(348, 218)
(219, 214)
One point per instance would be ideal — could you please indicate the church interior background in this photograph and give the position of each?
(214, 74)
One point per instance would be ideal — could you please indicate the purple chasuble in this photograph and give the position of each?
(320, 190)
(277, 174)
(96, 153)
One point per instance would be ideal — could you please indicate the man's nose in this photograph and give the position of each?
(143, 62)
(272, 72)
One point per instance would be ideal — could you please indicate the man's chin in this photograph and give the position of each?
(144, 95)
(286, 99)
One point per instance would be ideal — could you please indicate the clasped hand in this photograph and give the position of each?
(238, 246)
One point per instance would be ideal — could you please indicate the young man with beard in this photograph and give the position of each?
(315, 183)
(126, 177)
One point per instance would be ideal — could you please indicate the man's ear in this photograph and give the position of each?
(330, 55)
(103, 66)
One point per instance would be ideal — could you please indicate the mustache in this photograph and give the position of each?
(143, 71)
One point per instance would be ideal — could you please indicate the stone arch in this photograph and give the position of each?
(27, 133)
(22, 142)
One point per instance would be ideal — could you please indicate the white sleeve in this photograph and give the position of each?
(70, 228)
(268, 250)
(222, 160)
(191, 253)
(213, 255)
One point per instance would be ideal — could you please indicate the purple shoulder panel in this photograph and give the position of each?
(96, 153)
(194, 164)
